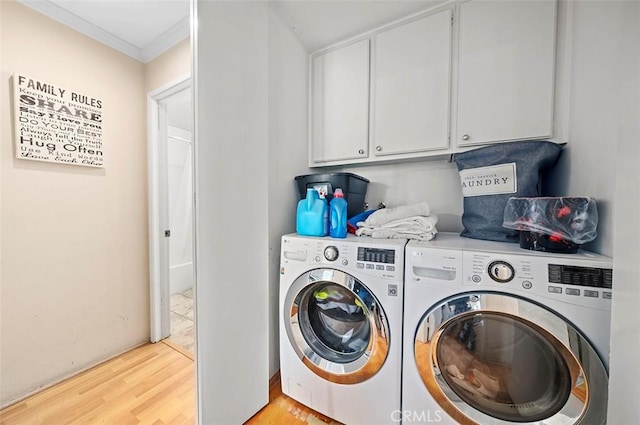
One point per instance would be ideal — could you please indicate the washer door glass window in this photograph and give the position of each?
(336, 326)
(334, 322)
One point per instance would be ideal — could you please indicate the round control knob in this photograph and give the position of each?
(331, 253)
(501, 271)
(345, 262)
(465, 137)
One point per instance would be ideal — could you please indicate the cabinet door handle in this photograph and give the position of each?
(466, 137)
(378, 148)
(361, 151)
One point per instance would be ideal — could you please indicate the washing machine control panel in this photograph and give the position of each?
(383, 259)
(376, 255)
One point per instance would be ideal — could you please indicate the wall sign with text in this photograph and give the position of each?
(54, 124)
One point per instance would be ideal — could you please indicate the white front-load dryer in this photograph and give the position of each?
(496, 334)
(341, 326)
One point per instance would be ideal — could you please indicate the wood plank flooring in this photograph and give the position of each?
(153, 384)
(283, 410)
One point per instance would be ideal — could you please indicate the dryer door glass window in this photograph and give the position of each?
(495, 357)
(335, 322)
(503, 366)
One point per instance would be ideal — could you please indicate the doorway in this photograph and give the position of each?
(171, 214)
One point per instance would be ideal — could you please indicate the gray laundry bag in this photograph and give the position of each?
(490, 175)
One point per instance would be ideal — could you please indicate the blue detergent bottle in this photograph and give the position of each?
(312, 218)
(338, 215)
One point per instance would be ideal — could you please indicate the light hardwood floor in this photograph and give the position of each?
(152, 384)
(283, 410)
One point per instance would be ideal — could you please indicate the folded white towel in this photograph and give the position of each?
(380, 233)
(416, 227)
(385, 215)
(419, 223)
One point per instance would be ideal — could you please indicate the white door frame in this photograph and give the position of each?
(158, 208)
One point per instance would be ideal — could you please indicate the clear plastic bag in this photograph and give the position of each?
(573, 219)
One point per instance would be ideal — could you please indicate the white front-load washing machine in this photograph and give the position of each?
(341, 326)
(496, 334)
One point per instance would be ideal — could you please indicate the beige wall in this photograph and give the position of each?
(74, 286)
(173, 64)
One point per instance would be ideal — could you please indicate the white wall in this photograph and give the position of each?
(600, 97)
(590, 112)
(288, 75)
(74, 274)
(619, 23)
(435, 181)
(232, 207)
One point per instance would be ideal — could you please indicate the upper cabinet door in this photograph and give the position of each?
(340, 104)
(505, 71)
(410, 86)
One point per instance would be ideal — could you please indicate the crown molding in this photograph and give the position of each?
(166, 40)
(177, 33)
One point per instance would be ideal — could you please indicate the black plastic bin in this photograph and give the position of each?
(353, 186)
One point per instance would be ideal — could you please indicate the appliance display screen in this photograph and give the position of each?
(581, 276)
(375, 255)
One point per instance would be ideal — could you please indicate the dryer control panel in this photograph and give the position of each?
(581, 276)
(577, 280)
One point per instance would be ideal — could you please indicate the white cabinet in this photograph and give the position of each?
(340, 104)
(411, 69)
(505, 71)
(431, 85)
(403, 113)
